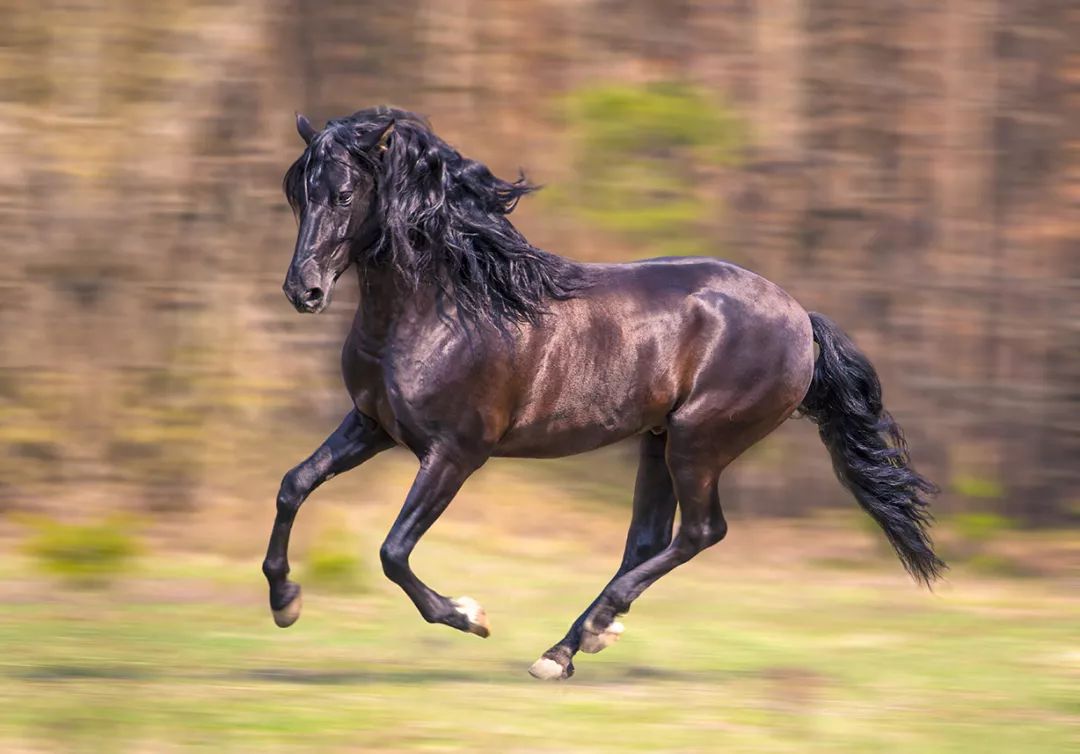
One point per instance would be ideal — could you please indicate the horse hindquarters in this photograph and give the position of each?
(758, 371)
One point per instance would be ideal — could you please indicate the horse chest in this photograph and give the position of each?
(386, 384)
(363, 372)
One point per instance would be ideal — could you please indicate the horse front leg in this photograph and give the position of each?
(440, 477)
(355, 441)
(649, 533)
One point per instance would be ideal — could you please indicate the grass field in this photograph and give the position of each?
(788, 637)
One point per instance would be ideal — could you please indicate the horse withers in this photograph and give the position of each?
(469, 342)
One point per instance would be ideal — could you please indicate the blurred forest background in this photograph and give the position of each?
(911, 168)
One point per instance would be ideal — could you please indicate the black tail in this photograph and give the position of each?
(868, 450)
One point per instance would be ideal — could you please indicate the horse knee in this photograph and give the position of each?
(395, 561)
(290, 493)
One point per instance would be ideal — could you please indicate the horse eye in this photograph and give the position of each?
(344, 199)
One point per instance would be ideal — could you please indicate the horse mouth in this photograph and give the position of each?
(312, 306)
(310, 309)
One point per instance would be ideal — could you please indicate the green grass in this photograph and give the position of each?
(748, 649)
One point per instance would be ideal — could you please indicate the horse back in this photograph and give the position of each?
(649, 340)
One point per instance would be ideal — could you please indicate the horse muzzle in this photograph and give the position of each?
(308, 299)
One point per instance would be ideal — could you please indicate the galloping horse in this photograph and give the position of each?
(469, 343)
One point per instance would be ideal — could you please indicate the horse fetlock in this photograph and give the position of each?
(275, 570)
(604, 614)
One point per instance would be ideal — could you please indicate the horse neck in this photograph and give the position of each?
(385, 301)
(378, 306)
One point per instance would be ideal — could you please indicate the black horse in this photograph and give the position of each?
(470, 343)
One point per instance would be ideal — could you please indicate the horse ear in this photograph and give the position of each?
(305, 129)
(384, 137)
(377, 140)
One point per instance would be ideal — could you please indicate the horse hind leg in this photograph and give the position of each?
(702, 525)
(697, 453)
(698, 448)
(648, 535)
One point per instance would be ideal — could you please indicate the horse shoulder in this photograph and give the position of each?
(449, 385)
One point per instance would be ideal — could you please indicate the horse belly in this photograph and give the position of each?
(585, 412)
(557, 442)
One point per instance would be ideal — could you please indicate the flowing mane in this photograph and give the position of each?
(443, 218)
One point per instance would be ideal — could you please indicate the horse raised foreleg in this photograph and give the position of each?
(439, 479)
(355, 441)
(649, 534)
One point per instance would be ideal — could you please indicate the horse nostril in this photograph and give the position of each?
(313, 295)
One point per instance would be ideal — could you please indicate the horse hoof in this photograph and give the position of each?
(287, 615)
(478, 620)
(592, 642)
(546, 669)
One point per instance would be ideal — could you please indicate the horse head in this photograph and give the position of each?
(332, 192)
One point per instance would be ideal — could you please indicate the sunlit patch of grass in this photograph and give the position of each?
(332, 560)
(85, 554)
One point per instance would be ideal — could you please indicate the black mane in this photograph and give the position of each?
(443, 218)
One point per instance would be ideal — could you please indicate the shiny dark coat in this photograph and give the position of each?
(470, 343)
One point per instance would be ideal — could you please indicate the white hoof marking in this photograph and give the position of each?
(592, 642)
(478, 621)
(547, 669)
(287, 615)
